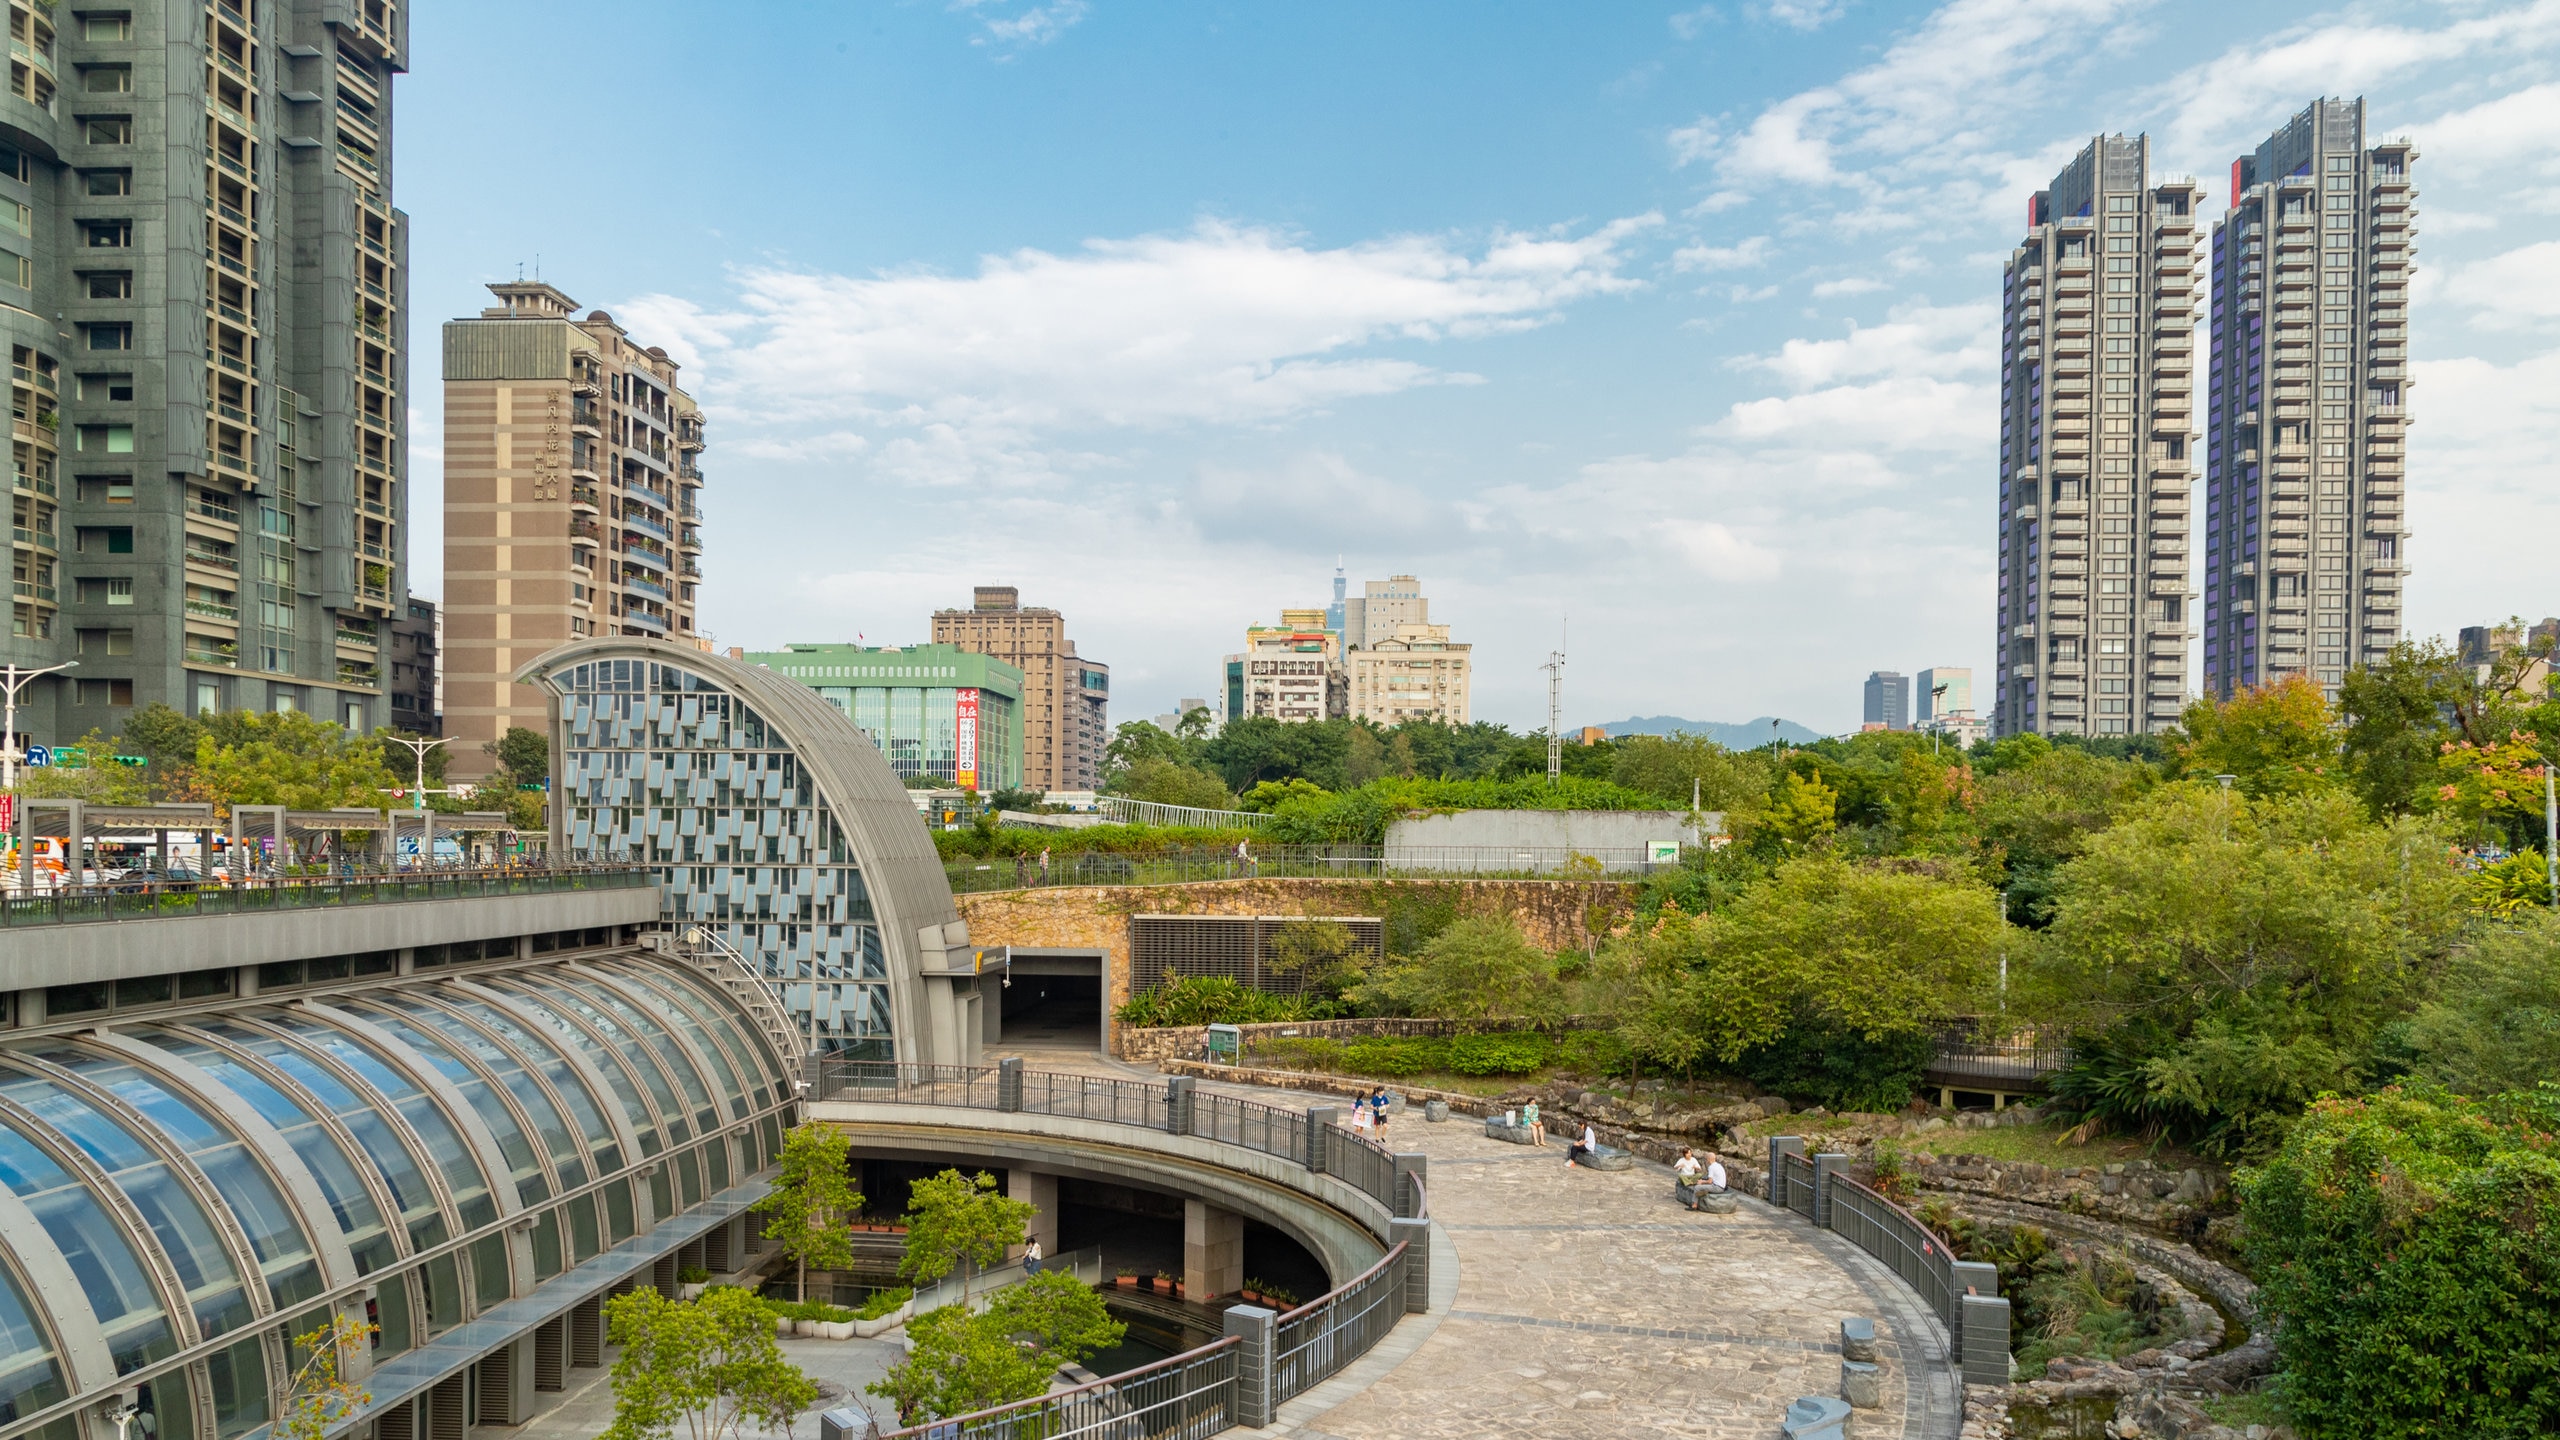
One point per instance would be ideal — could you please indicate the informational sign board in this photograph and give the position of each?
(1226, 1042)
(968, 740)
(1662, 852)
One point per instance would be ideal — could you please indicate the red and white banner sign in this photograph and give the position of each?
(967, 755)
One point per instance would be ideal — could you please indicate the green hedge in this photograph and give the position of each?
(884, 1301)
(1217, 1000)
(1510, 1053)
(2407, 1250)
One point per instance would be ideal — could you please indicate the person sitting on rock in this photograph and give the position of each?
(1537, 1127)
(1585, 1148)
(1715, 1174)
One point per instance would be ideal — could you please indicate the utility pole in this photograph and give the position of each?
(418, 800)
(1555, 714)
(16, 679)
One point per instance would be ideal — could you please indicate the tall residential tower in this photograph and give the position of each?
(2097, 353)
(572, 503)
(1066, 698)
(203, 283)
(2305, 551)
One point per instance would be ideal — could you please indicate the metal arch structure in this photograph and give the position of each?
(168, 1130)
(931, 968)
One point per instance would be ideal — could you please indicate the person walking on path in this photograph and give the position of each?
(1378, 1114)
(1044, 864)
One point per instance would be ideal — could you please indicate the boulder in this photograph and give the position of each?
(1494, 1129)
(1815, 1417)
(2191, 1189)
(1862, 1384)
(1435, 1111)
(1858, 1338)
(1770, 1106)
(1609, 1158)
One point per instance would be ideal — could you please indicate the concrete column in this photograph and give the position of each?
(1780, 1147)
(1416, 1237)
(1320, 1120)
(1041, 1193)
(1825, 1168)
(1009, 1084)
(1413, 1173)
(1983, 1346)
(1252, 1324)
(1212, 1252)
(506, 1384)
(1177, 1105)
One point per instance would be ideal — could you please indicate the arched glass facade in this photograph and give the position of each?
(181, 1193)
(661, 763)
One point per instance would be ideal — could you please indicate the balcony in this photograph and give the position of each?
(633, 519)
(35, 539)
(208, 610)
(644, 585)
(212, 650)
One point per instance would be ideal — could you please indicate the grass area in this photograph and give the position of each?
(2251, 1407)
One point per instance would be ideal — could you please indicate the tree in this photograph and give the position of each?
(1680, 767)
(2038, 806)
(1479, 968)
(1270, 795)
(2275, 739)
(2222, 961)
(954, 1218)
(1165, 782)
(1802, 813)
(813, 1202)
(523, 756)
(2495, 1022)
(319, 1395)
(958, 1362)
(2404, 1250)
(2492, 789)
(710, 1366)
(287, 758)
(1872, 952)
(98, 779)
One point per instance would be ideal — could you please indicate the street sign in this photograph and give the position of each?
(133, 759)
(70, 757)
(39, 755)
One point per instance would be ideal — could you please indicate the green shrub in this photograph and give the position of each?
(1497, 1054)
(882, 1302)
(1392, 1058)
(1591, 1052)
(1217, 1000)
(1298, 1052)
(2407, 1249)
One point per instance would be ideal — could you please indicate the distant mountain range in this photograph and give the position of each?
(1749, 735)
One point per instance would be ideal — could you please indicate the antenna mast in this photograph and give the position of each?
(1555, 713)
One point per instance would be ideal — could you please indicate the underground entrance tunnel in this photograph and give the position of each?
(1054, 1003)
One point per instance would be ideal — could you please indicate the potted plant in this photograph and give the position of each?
(691, 1281)
(885, 1310)
(1250, 1292)
(1163, 1283)
(1125, 1279)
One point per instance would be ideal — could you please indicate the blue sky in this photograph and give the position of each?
(1678, 320)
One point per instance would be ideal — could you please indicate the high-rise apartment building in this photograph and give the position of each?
(2305, 550)
(203, 283)
(572, 502)
(1293, 670)
(1943, 690)
(1382, 606)
(1888, 701)
(1066, 698)
(1417, 673)
(410, 648)
(2096, 385)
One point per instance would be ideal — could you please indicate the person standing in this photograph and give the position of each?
(1044, 864)
(1378, 1112)
(1031, 1258)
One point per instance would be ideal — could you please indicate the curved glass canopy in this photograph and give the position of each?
(416, 1150)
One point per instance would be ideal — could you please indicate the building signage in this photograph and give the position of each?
(967, 758)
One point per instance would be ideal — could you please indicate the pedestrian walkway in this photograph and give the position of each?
(1590, 1306)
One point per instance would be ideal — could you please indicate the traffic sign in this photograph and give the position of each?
(70, 757)
(39, 755)
(133, 759)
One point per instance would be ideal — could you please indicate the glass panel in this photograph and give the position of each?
(665, 1045)
(564, 1078)
(567, 1156)
(239, 1377)
(703, 1041)
(635, 1055)
(389, 1309)
(101, 1256)
(30, 1377)
(502, 1122)
(634, 1108)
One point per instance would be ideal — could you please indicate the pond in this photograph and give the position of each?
(1152, 1337)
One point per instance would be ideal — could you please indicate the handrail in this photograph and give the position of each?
(755, 992)
(160, 899)
(960, 1424)
(1354, 1283)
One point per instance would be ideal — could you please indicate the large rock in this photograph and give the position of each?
(1724, 1204)
(1435, 1111)
(1494, 1129)
(1815, 1417)
(1858, 1338)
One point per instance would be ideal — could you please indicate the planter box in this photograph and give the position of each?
(866, 1329)
(1161, 1287)
(781, 1325)
(1126, 1282)
(837, 1329)
(806, 1329)
(692, 1289)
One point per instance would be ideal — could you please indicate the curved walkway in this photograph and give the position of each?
(1588, 1304)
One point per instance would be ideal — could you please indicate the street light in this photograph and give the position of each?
(16, 679)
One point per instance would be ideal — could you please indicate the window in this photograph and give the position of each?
(107, 234)
(24, 271)
(116, 25)
(106, 540)
(107, 79)
(107, 129)
(111, 285)
(17, 164)
(117, 388)
(106, 490)
(106, 439)
(105, 692)
(115, 336)
(106, 642)
(17, 217)
(110, 182)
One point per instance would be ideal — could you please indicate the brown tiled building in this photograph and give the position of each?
(1066, 699)
(571, 502)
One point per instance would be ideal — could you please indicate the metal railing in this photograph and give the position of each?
(163, 899)
(1251, 1124)
(1895, 1236)
(1190, 1394)
(1363, 1163)
(1190, 866)
(1313, 1342)
(1799, 1183)
(1148, 812)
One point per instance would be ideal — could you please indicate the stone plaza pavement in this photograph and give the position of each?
(1589, 1304)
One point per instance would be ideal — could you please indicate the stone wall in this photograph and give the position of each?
(1148, 1045)
(1553, 914)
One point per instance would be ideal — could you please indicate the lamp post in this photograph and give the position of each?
(418, 800)
(16, 678)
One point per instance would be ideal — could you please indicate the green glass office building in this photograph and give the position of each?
(933, 710)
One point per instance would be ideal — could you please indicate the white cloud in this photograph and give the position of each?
(1036, 26)
(1747, 255)
(1917, 340)
(2517, 288)
(1801, 14)
(1853, 285)
(1688, 24)
(1223, 325)
(1906, 412)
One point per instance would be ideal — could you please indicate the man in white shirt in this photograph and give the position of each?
(1587, 1147)
(1715, 1173)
